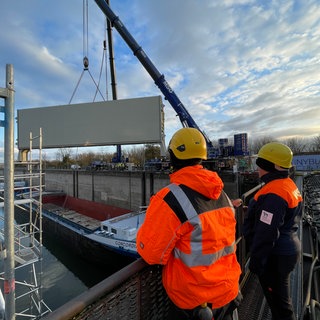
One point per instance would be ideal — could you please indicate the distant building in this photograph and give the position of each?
(240, 147)
(241, 144)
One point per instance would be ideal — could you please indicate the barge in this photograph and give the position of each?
(97, 232)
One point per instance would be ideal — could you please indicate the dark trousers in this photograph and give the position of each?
(224, 313)
(275, 283)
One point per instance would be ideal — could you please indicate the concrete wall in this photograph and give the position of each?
(123, 189)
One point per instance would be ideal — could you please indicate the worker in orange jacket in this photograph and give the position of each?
(189, 228)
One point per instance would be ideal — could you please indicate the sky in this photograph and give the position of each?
(238, 66)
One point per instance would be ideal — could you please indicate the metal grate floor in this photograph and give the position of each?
(253, 306)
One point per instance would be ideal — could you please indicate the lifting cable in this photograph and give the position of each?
(104, 57)
(85, 53)
(85, 21)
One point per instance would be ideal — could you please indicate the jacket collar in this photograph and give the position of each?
(274, 175)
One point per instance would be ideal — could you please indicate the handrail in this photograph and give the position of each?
(146, 294)
(79, 303)
(310, 304)
(250, 192)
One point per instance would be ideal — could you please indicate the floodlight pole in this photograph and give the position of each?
(8, 124)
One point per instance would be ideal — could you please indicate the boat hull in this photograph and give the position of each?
(82, 245)
(81, 239)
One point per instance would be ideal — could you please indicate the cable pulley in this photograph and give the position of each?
(86, 63)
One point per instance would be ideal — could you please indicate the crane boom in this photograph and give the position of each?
(159, 79)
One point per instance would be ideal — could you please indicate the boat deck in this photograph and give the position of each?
(73, 216)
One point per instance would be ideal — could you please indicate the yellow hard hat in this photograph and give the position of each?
(277, 153)
(188, 143)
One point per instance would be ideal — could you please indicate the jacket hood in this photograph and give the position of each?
(204, 181)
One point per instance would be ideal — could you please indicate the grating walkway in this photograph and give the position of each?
(253, 306)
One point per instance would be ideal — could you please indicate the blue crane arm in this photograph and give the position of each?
(159, 79)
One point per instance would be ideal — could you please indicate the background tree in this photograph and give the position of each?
(152, 151)
(64, 156)
(136, 155)
(297, 145)
(258, 143)
(85, 159)
(316, 143)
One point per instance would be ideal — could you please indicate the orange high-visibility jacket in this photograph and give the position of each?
(190, 229)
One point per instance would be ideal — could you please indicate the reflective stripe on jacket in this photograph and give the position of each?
(192, 234)
(196, 257)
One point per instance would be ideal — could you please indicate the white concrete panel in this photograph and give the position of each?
(128, 121)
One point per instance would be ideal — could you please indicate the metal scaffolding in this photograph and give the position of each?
(21, 229)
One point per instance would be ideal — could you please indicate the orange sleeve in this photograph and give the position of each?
(157, 236)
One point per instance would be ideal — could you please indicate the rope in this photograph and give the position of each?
(85, 55)
(85, 28)
(74, 91)
(101, 68)
(96, 86)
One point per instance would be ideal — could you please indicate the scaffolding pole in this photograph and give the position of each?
(9, 273)
(22, 241)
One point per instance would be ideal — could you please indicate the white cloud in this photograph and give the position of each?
(237, 66)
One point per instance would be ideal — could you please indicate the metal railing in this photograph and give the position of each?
(136, 291)
(311, 263)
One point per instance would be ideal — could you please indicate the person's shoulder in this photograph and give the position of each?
(162, 192)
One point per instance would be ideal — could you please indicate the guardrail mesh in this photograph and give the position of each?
(140, 297)
(136, 292)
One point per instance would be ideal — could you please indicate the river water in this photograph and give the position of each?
(65, 275)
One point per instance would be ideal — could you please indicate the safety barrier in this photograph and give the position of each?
(136, 291)
(311, 226)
